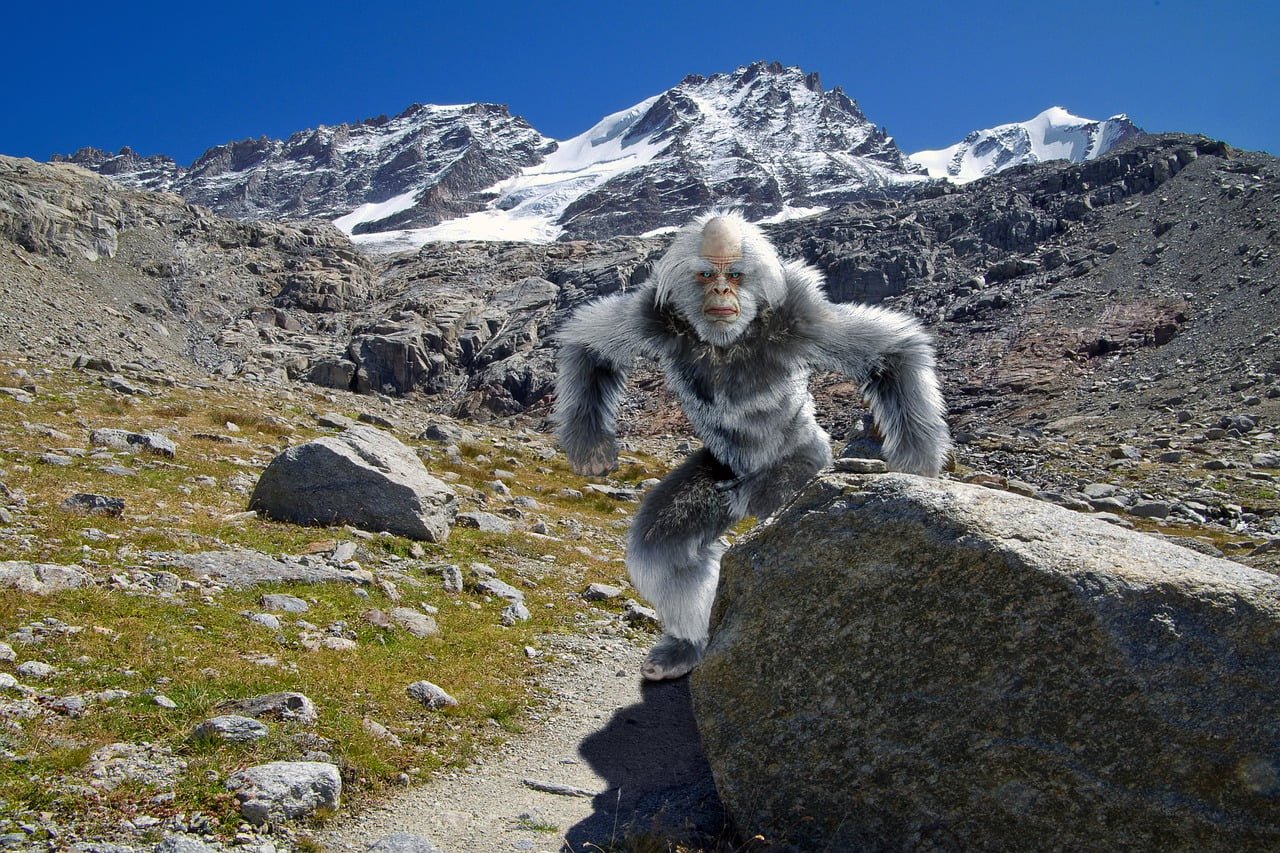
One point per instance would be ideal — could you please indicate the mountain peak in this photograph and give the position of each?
(1054, 134)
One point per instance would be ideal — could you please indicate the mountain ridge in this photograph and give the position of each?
(765, 138)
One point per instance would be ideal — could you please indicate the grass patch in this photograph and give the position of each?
(192, 643)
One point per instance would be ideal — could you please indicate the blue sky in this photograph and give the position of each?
(177, 78)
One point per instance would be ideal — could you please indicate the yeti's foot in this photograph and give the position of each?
(672, 657)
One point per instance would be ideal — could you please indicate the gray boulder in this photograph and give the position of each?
(285, 790)
(363, 477)
(902, 663)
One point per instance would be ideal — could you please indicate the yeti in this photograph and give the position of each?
(737, 332)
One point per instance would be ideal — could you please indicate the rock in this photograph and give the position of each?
(7, 654)
(861, 466)
(143, 763)
(120, 439)
(415, 622)
(94, 505)
(640, 616)
(451, 576)
(1126, 451)
(513, 613)
(485, 522)
(499, 589)
(445, 432)
(335, 420)
(183, 844)
(363, 477)
(287, 705)
(601, 592)
(903, 663)
(1151, 509)
(402, 842)
(242, 568)
(284, 603)
(267, 620)
(164, 702)
(430, 695)
(1266, 460)
(42, 578)
(285, 790)
(379, 731)
(36, 669)
(230, 727)
(8, 682)
(1170, 456)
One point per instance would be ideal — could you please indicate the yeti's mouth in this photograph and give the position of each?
(722, 313)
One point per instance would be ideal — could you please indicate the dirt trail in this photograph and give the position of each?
(632, 748)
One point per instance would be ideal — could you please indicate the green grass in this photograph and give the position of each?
(201, 652)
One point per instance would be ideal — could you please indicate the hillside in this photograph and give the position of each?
(1107, 338)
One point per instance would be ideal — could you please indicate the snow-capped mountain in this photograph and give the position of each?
(1055, 134)
(417, 169)
(765, 138)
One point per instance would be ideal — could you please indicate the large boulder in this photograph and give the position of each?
(899, 662)
(363, 477)
(285, 790)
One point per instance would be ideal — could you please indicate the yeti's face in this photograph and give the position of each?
(718, 274)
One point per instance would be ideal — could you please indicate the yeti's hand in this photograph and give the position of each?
(597, 460)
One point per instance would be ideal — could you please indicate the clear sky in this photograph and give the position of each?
(176, 78)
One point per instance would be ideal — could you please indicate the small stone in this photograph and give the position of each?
(266, 620)
(230, 727)
(1150, 509)
(344, 552)
(379, 731)
(485, 522)
(640, 616)
(36, 669)
(339, 644)
(1217, 465)
(1266, 460)
(430, 695)
(513, 613)
(7, 654)
(452, 577)
(1125, 451)
(8, 682)
(94, 505)
(861, 466)
(601, 592)
(284, 603)
(164, 701)
(499, 589)
(289, 706)
(1170, 456)
(415, 622)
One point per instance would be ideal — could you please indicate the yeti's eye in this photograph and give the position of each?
(706, 275)
(734, 276)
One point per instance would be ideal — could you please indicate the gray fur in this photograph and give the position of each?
(744, 388)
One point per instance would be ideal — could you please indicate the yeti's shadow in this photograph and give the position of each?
(658, 778)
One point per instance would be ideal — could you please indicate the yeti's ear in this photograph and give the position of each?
(761, 266)
(677, 265)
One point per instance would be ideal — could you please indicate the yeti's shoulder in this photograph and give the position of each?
(804, 303)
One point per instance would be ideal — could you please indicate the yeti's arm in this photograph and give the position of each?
(893, 356)
(597, 346)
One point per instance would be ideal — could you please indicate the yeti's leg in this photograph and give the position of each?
(761, 493)
(673, 556)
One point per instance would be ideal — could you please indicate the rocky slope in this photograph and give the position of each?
(1105, 322)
